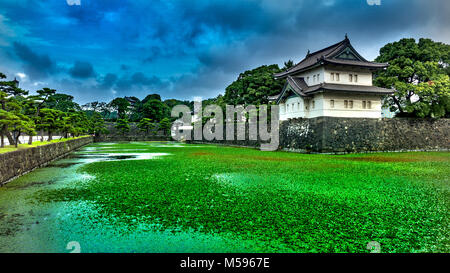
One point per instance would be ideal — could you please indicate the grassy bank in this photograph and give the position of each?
(10, 148)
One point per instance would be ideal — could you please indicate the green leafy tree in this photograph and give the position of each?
(62, 102)
(254, 86)
(5, 116)
(21, 124)
(6, 121)
(288, 64)
(98, 124)
(13, 119)
(11, 91)
(121, 105)
(50, 120)
(151, 97)
(122, 126)
(36, 103)
(419, 74)
(145, 125)
(74, 123)
(105, 110)
(165, 125)
(155, 110)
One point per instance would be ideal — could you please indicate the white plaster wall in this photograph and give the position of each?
(320, 71)
(293, 107)
(317, 110)
(357, 111)
(364, 78)
(322, 106)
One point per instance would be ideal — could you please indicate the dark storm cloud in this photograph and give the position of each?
(124, 67)
(153, 53)
(107, 81)
(138, 80)
(82, 70)
(187, 48)
(36, 65)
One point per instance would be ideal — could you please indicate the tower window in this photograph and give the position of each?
(337, 77)
(331, 103)
(350, 77)
(356, 78)
(345, 103)
(369, 104)
(313, 104)
(314, 78)
(332, 76)
(350, 104)
(364, 104)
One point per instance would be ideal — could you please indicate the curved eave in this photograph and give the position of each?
(285, 74)
(369, 65)
(289, 82)
(349, 89)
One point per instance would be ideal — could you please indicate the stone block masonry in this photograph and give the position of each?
(16, 163)
(345, 135)
(350, 135)
(133, 135)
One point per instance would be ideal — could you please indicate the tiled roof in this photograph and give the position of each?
(328, 55)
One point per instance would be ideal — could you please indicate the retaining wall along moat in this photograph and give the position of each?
(16, 163)
(345, 135)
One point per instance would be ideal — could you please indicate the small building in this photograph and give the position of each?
(335, 81)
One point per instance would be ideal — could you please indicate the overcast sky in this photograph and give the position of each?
(101, 49)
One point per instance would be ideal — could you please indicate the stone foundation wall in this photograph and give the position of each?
(114, 138)
(16, 163)
(241, 143)
(343, 135)
(346, 135)
(133, 135)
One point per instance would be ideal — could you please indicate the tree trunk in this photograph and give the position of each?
(16, 143)
(30, 140)
(2, 132)
(10, 138)
(49, 136)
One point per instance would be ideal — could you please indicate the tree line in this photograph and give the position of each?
(47, 111)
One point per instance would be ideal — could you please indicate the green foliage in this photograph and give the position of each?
(151, 97)
(254, 86)
(122, 126)
(12, 111)
(173, 102)
(288, 64)
(165, 125)
(278, 201)
(62, 102)
(419, 74)
(155, 110)
(146, 125)
(121, 105)
(50, 120)
(21, 124)
(75, 123)
(98, 124)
